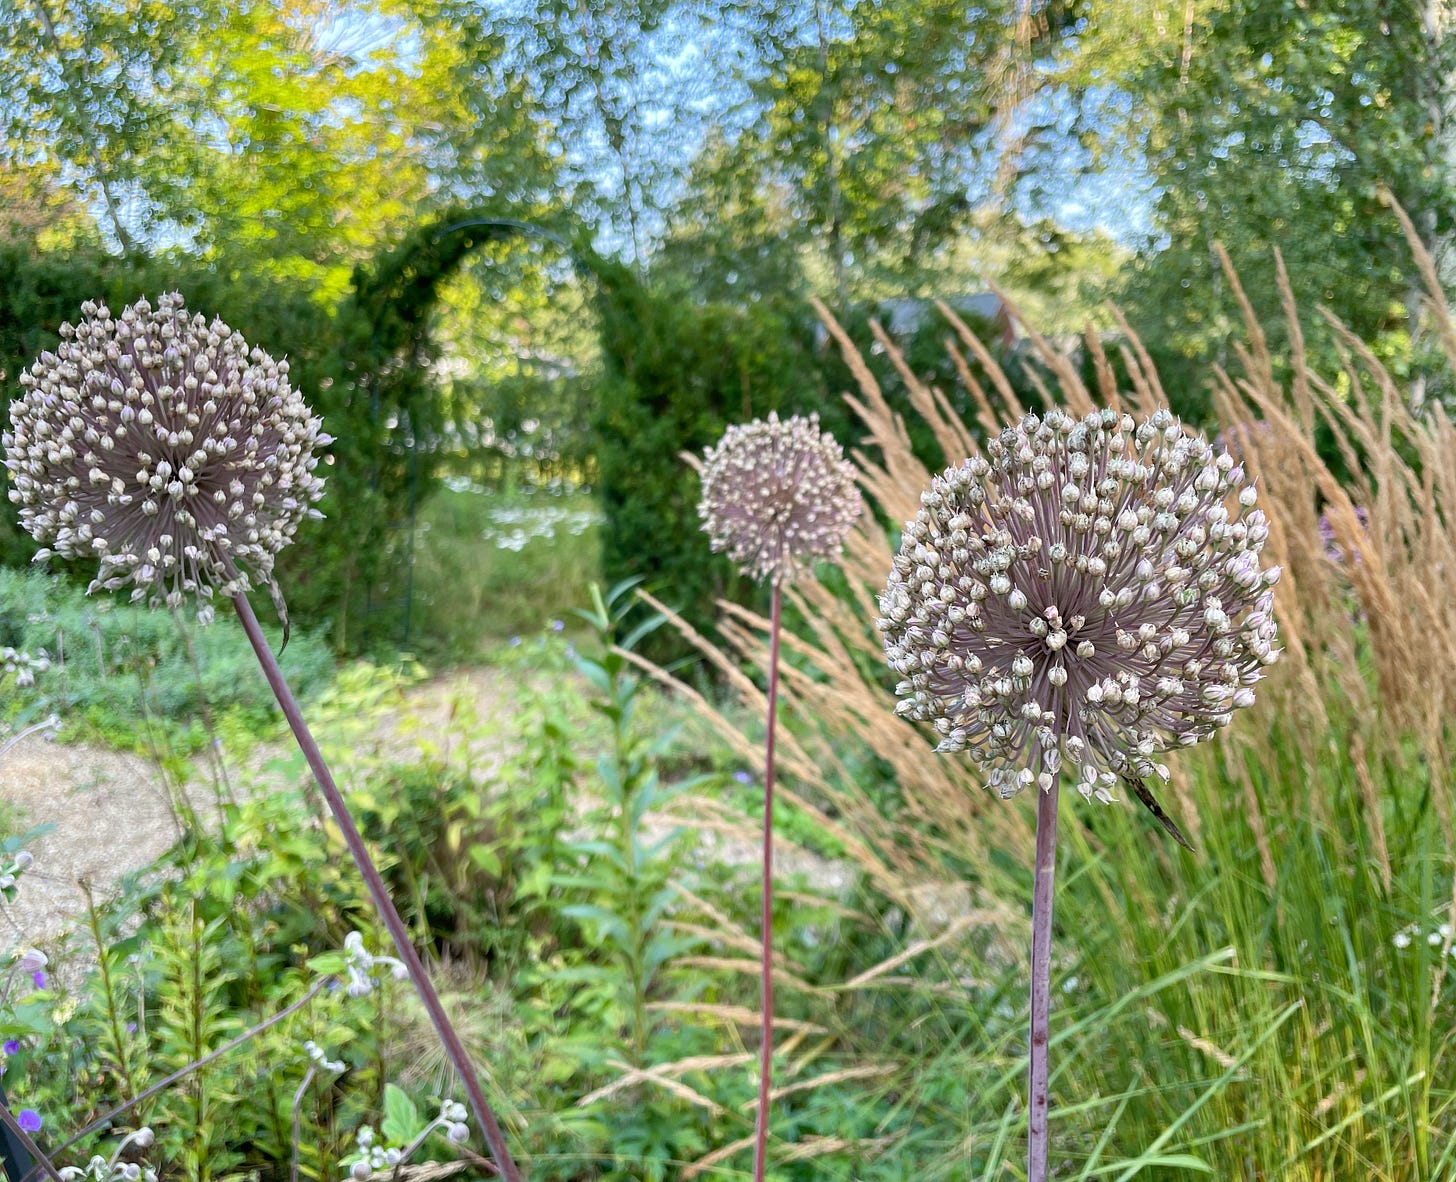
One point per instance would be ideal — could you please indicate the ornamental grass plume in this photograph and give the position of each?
(777, 495)
(183, 461)
(1084, 598)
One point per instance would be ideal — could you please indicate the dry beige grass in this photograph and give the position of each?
(1372, 629)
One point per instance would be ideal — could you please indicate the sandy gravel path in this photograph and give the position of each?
(108, 815)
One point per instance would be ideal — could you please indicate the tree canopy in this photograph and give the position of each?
(720, 163)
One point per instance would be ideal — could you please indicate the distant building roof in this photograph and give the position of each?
(902, 317)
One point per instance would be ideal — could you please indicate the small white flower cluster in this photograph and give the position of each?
(10, 874)
(362, 963)
(515, 529)
(1089, 594)
(101, 1169)
(321, 1060)
(778, 494)
(23, 665)
(374, 1157)
(165, 448)
(1435, 938)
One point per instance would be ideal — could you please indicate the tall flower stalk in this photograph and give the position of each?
(1082, 599)
(777, 495)
(184, 461)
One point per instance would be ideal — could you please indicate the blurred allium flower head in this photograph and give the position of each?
(166, 448)
(777, 495)
(1089, 593)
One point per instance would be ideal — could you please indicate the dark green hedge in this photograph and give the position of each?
(677, 370)
(330, 355)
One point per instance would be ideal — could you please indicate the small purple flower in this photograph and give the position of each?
(743, 777)
(131, 1027)
(29, 1120)
(558, 625)
(515, 642)
(11, 1047)
(39, 978)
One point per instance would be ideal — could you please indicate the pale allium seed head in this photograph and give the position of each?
(167, 449)
(777, 495)
(1089, 594)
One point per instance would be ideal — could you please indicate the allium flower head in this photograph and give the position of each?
(777, 494)
(1089, 593)
(167, 449)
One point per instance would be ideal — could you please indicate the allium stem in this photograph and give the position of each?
(1041, 964)
(454, 1049)
(765, 1054)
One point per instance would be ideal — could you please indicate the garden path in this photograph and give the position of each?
(108, 813)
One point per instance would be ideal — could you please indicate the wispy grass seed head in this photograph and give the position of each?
(1090, 592)
(166, 448)
(777, 495)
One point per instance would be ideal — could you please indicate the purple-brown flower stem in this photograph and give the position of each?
(454, 1049)
(1041, 965)
(765, 1053)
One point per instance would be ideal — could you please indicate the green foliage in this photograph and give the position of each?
(1280, 123)
(133, 675)
(1206, 1024)
(676, 375)
(472, 858)
(393, 414)
(1277, 1010)
(288, 140)
(189, 959)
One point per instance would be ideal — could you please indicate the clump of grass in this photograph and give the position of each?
(1279, 1007)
